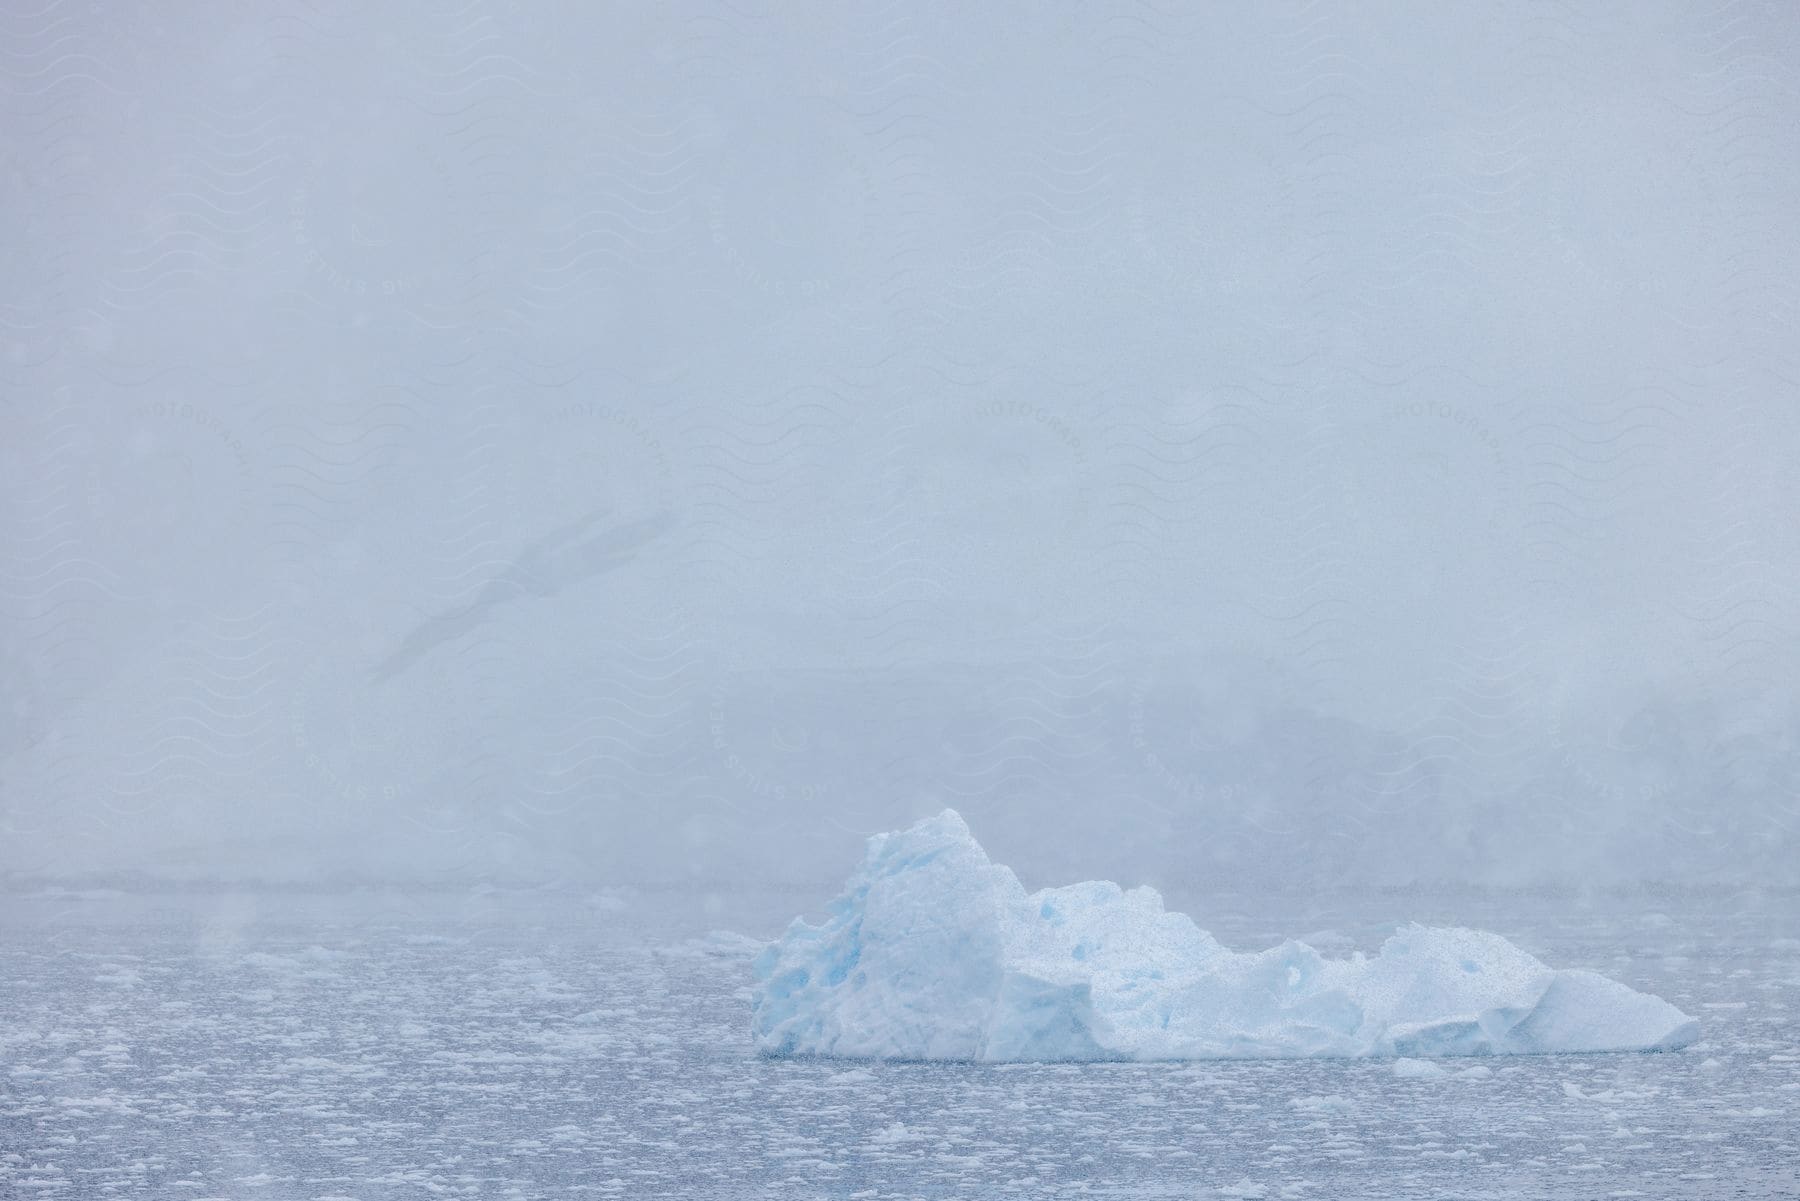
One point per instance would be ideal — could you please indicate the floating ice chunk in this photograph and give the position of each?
(894, 1134)
(934, 952)
(1418, 1069)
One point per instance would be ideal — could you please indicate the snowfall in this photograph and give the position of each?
(934, 952)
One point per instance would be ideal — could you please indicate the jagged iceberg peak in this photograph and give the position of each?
(935, 952)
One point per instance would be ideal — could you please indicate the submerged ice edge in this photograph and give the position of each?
(933, 952)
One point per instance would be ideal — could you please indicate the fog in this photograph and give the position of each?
(565, 445)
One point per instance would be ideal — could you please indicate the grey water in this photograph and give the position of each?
(488, 1043)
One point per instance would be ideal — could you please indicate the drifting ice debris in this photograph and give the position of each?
(933, 952)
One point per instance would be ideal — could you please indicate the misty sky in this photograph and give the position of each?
(549, 443)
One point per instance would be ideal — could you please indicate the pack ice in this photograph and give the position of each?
(933, 952)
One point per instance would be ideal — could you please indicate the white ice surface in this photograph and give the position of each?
(934, 952)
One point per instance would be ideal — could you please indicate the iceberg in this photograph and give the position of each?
(935, 952)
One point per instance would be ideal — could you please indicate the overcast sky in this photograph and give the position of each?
(549, 443)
